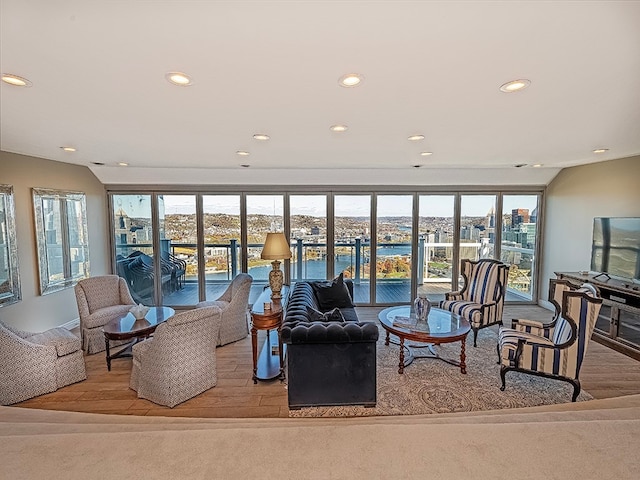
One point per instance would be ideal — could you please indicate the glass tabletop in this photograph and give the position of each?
(128, 322)
(440, 323)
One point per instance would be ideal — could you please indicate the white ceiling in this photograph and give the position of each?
(98, 73)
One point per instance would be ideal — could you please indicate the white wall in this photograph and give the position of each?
(573, 199)
(36, 312)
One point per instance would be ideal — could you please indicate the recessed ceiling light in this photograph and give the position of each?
(179, 78)
(350, 80)
(600, 150)
(338, 128)
(245, 165)
(537, 165)
(123, 164)
(261, 136)
(515, 85)
(426, 154)
(69, 149)
(415, 138)
(15, 80)
(242, 153)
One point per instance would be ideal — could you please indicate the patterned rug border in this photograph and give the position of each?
(433, 386)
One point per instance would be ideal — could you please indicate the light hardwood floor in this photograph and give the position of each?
(606, 373)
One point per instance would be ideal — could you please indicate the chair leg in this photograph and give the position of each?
(498, 350)
(576, 389)
(475, 337)
(503, 373)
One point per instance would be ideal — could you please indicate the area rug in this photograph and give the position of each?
(433, 386)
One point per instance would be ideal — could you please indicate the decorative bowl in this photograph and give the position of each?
(139, 311)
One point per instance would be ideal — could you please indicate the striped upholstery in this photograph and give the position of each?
(482, 299)
(560, 352)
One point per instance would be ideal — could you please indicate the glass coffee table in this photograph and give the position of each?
(441, 327)
(128, 328)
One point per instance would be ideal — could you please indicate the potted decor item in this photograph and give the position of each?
(139, 311)
(422, 306)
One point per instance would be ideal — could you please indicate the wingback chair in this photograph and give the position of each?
(554, 352)
(481, 299)
(234, 303)
(100, 300)
(179, 361)
(32, 364)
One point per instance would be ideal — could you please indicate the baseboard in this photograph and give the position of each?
(71, 324)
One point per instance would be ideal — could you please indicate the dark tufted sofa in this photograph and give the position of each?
(328, 363)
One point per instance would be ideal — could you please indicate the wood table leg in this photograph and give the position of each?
(254, 347)
(463, 366)
(401, 364)
(106, 343)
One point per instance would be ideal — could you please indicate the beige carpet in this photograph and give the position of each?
(432, 386)
(589, 440)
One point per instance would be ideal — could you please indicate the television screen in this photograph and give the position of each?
(616, 247)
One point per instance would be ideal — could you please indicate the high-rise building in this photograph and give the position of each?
(518, 216)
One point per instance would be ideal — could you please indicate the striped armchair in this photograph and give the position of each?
(553, 351)
(32, 364)
(179, 361)
(234, 303)
(100, 300)
(481, 299)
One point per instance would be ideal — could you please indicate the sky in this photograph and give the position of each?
(315, 205)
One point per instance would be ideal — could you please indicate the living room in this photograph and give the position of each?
(575, 190)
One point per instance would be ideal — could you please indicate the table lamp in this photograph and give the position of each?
(275, 248)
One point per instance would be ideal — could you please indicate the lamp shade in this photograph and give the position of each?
(275, 247)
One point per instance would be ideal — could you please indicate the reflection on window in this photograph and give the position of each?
(9, 276)
(63, 247)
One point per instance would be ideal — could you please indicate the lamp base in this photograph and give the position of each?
(275, 280)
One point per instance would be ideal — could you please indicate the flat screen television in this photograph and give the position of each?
(615, 249)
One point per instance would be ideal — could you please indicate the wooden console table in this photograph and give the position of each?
(618, 325)
(269, 364)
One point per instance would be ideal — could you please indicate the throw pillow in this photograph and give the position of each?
(332, 294)
(334, 315)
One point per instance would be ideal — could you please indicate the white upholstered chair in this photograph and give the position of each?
(32, 364)
(179, 361)
(100, 300)
(481, 299)
(234, 303)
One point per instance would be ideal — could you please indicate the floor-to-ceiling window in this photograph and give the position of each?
(519, 243)
(133, 244)
(394, 237)
(178, 248)
(392, 243)
(352, 242)
(222, 239)
(265, 213)
(435, 245)
(308, 237)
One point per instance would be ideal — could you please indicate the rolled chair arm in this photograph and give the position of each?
(531, 326)
(329, 332)
(453, 295)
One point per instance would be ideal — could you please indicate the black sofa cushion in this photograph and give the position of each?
(332, 294)
(334, 315)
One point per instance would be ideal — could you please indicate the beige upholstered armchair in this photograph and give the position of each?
(33, 364)
(100, 300)
(553, 351)
(179, 361)
(481, 299)
(234, 304)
